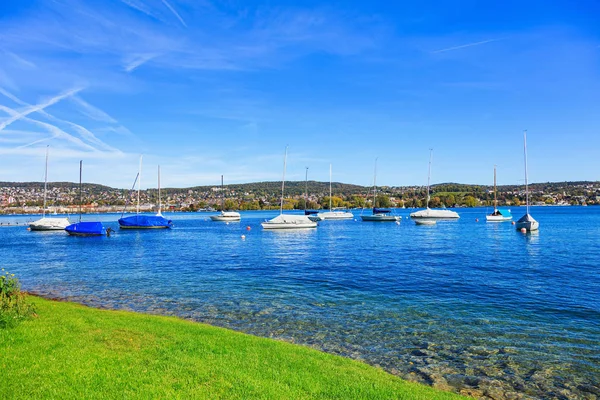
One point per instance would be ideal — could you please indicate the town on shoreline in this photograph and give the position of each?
(63, 197)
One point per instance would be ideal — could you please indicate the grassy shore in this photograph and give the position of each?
(72, 351)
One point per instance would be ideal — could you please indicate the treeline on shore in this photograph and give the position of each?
(266, 195)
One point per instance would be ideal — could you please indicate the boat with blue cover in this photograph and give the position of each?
(138, 221)
(87, 228)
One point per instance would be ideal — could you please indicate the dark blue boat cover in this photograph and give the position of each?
(310, 212)
(86, 229)
(381, 211)
(145, 221)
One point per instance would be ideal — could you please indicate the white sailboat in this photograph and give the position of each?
(379, 214)
(433, 213)
(331, 214)
(498, 215)
(527, 221)
(225, 216)
(48, 224)
(283, 221)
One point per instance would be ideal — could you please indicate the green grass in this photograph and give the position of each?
(76, 352)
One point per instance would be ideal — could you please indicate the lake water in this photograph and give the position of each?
(463, 305)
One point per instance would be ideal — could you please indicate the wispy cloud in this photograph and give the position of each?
(20, 60)
(166, 3)
(464, 46)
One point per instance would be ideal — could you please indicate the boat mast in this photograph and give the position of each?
(526, 184)
(159, 202)
(306, 188)
(283, 180)
(495, 198)
(45, 183)
(375, 185)
(329, 187)
(139, 184)
(80, 195)
(222, 196)
(429, 175)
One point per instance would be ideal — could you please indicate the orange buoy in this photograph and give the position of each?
(513, 222)
(248, 228)
(523, 230)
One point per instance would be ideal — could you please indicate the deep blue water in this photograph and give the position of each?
(460, 305)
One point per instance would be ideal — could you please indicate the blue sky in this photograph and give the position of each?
(205, 88)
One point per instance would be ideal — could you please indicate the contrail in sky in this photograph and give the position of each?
(38, 107)
(174, 12)
(464, 45)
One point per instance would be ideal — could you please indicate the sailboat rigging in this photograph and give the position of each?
(48, 224)
(287, 221)
(86, 228)
(527, 222)
(498, 215)
(139, 221)
(433, 213)
(379, 214)
(225, 216)
(334, 214)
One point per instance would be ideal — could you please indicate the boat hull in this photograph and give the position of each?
(528, 223)
(86, 229)
(425, 222)
(228, 216)
(336, 215)
(380, 218)
(289, 222)
(435, 214)
(497, 218)
(145, 222)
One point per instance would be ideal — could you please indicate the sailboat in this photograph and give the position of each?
(379, 214)
(313, 215)
(527, 221)
(334, 214)
(138, 221)
(498, 215)
(85, 228)
(283, 221)
(48, 224)
(225, 216)
(435, 213)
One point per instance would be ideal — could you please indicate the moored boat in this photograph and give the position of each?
(429, 213)
(287, 221)
(86, 228)
(379, 214)
(526, 222)
(498, 215)
(225, 216)
(46, 223)
(138, 221)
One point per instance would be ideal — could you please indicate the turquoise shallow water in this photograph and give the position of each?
(461, 305)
